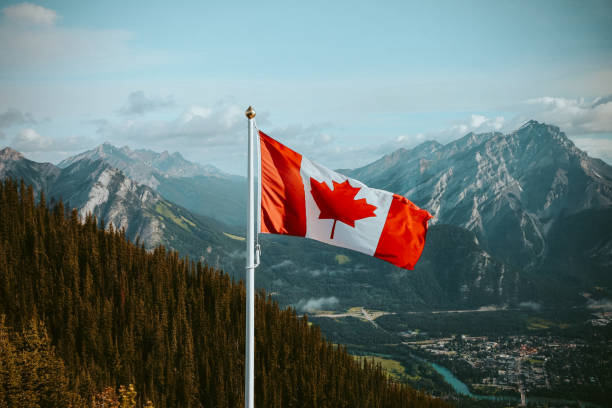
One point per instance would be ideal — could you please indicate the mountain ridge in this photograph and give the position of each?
(502, 193)
(143, 164)
(97, 188)
(491, 182)
(202, 189)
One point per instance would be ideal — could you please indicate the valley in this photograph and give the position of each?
(551, 356)
(512, 289)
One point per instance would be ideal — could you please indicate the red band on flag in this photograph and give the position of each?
(283, 203)
(403, 236)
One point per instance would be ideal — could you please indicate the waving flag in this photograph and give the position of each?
(302, 198)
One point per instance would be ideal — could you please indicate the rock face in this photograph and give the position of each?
(203, 190)
(454, 269)
(146, 166)
(38, 175)
(95, 187)
(508, 189)
(518, 217)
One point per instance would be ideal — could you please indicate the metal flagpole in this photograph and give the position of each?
(249, 369)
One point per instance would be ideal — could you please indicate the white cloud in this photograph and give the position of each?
(43, 48)
(475, 123)
(53, 49)
(315, 141)
(573, 116)
(28, 140)
(138, 103)
(219, 126)
(312, 305)
(588, 124)
(195, 112)
(326, 137)
(13, 117)
(477, 120)
(28, 13)
(214, 135)
(598, 147)
(576, 117)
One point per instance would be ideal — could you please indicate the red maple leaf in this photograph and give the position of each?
(339, 204)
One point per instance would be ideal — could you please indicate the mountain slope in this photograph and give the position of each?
(293, 269)
(453, 272)
(203, 190)
(508, 189)
(117, 314)
(94, 187)
(37, 175)
(220, 198)
(504, 206)
(142, 164)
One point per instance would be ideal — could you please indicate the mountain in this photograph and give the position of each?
(294, 270)
(82, 310)
(95, 187)
(37, 175)
(203, 190)
(507, 209)
(142, 165)
(223, 199)
(510, 190)
(453, 272)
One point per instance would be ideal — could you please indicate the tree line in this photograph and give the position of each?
(103, 312)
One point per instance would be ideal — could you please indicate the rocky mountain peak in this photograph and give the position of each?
(542, 140)
(428, 146)
(532, 126)
(507, 189)
(10, 154)
(530, 123)
(542, 131)
(104, 148)
(146, 166)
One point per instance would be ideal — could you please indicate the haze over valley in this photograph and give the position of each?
(123, 161)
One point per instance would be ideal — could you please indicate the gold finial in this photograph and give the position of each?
(250, 112)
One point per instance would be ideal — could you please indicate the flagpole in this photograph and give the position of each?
(249, 369)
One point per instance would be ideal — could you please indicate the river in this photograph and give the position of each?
(461, 388)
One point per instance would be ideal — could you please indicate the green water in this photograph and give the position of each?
(461, 388)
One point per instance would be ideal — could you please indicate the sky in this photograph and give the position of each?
(340, 82)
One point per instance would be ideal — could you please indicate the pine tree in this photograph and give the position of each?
(85, 310)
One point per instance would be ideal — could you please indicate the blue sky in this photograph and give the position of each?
(341, 82)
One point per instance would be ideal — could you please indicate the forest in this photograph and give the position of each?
(85, 312)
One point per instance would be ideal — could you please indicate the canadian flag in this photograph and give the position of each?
(302, 198)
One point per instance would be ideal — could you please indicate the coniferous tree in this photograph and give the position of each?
(91, 311)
